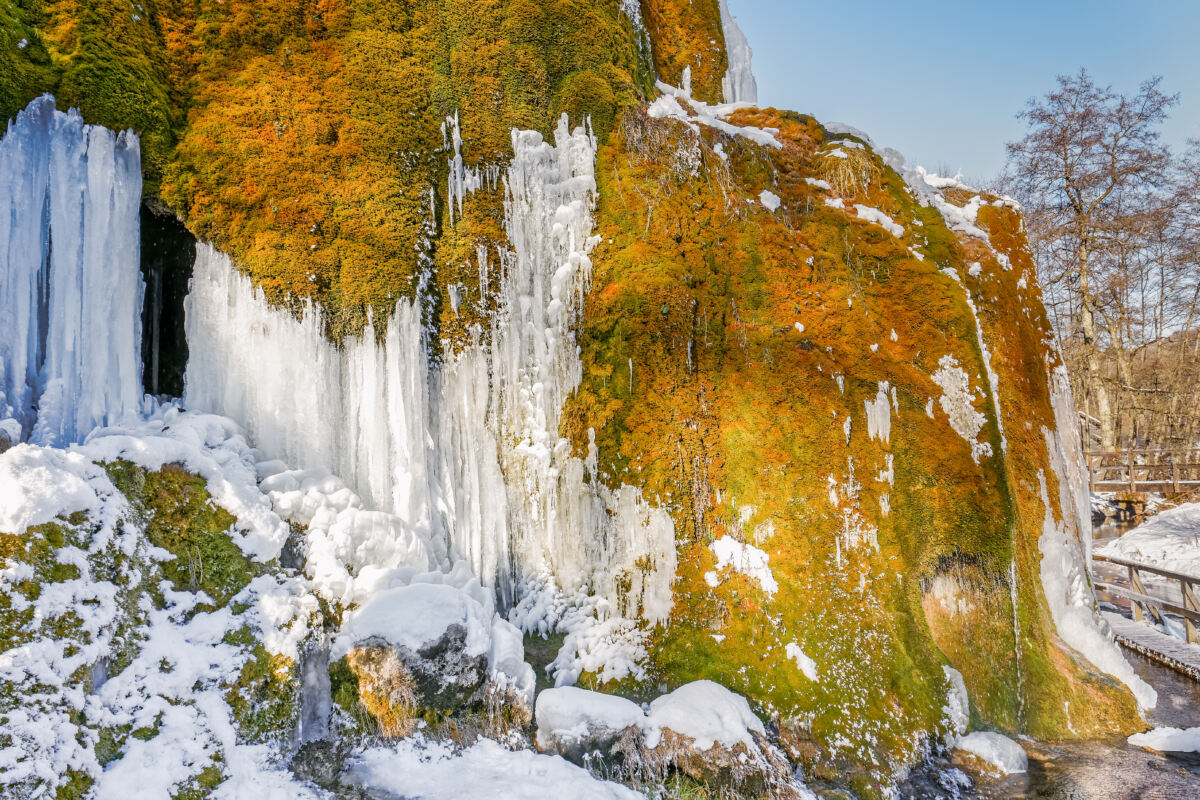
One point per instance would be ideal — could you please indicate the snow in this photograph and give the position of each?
(415, 616)
(1169, 539)
(184, 660)
(806, 665)
(570, 716)
(746, 559)
(668, 106)
(957, 401)
(738, 85)
(1169, 740)
(705, 711)
(36, 485)
(433, 771)
(1001, 752)
(70, 331)
(879, 218)
(770, 200)
(175, 676)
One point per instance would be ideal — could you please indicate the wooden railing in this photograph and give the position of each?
(1167, 471)
(1143, 602)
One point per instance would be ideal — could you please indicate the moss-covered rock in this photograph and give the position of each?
(757, 339)
(181, 518)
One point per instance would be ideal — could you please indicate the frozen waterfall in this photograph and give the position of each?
(70, 285)
(466, 451)
(738, 85)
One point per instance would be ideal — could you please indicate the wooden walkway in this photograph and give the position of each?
(1142, 471)
(1150, 591)
(1155, 645)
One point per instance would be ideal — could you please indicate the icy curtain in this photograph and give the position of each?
(70, 286)
(738, 84)
(467, 452)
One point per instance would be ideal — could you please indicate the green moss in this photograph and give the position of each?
(76, 787)
(265, 699)
(181, 517)
(25, 71)
(201, 786)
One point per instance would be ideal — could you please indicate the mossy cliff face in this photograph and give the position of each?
(730, 352)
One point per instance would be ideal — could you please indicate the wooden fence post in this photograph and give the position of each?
(1132, 481)
(1136, 585)
(1190, 603)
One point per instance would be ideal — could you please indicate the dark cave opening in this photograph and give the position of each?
(168, 254)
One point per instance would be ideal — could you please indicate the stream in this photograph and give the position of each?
(1115, 770)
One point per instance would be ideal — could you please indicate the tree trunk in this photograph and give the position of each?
(1091, 349)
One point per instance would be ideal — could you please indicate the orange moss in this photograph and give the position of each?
(688, 33)
(733, 419)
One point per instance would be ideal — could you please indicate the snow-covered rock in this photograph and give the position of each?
(435, 633)
(1169, 740)
(705, 712)
(997, 751)
(575, 722)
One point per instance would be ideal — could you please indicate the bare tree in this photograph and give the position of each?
(1095, 180)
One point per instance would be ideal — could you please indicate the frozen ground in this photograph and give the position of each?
(1169, 539)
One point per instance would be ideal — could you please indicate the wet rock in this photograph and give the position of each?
(319, 762)
(754, 769)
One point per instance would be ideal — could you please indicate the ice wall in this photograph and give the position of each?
(738, 84)
(466, 451)
(70, 286)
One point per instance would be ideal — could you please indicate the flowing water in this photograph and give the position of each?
(1114, 770)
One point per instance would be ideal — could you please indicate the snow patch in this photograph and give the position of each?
(957, 402)
(746, 559)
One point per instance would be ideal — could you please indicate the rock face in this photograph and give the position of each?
(828, 374)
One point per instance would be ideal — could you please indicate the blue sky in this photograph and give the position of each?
(942, 81)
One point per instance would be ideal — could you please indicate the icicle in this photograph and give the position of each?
(738, 85)
(879, 415)
(70, 284)
(466, 451)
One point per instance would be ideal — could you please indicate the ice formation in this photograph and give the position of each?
(70, 285)
(738, 85)
(879, 415)
(1000, 752)
(465, 452)
(1065, 545)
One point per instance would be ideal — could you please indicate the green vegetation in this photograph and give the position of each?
(181, 517)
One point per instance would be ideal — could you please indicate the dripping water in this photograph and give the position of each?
(315, 694)
(1012, 591)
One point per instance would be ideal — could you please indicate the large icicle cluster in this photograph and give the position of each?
(738, 85)
(70, 286)
(467, 452)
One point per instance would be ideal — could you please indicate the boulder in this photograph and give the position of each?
(581, 725)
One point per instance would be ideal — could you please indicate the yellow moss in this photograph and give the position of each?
(688, 33)
(385, 689)
(730, 407)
